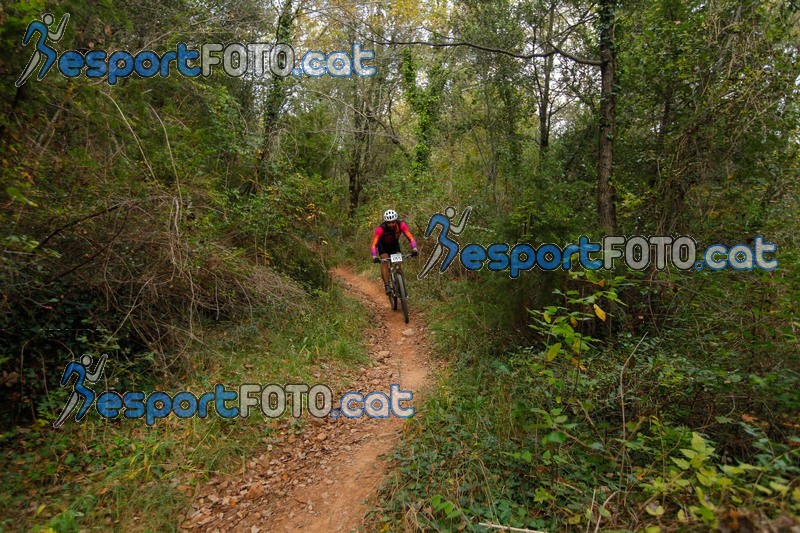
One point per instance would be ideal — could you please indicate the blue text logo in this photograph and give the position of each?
(255, 60)
(273, 400)
(636, 252)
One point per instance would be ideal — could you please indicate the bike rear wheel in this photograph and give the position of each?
(392, 293)
(401, 291)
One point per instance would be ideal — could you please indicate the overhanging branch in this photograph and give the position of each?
(555, 49)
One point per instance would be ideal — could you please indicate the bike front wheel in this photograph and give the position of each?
(392, 294)
(403, 296)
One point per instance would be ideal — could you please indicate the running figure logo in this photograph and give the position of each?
(445, 242)
(43, 51)
(80, 369)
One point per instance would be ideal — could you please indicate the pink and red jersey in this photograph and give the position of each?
(384, 234)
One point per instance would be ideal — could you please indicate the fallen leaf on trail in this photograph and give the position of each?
(256, 491)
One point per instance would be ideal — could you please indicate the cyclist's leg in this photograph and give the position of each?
(384, 254)
(385, 269)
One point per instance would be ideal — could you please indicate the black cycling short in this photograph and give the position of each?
(388, 248)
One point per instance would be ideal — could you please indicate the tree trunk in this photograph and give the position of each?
(276, 97)
(544, 103)
(606, 195)
(355, 166)
(354, 186)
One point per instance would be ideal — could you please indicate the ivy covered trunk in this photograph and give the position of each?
(608, 118)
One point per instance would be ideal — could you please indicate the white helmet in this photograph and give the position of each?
(390, 215)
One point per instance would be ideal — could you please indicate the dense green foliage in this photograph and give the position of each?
(127, 225)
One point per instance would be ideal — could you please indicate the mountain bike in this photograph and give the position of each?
(397, 283)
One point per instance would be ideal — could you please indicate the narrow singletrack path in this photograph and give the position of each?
(320, 478)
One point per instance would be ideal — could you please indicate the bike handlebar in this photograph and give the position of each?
(388, 259)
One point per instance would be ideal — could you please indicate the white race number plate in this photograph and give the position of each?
(396, 258)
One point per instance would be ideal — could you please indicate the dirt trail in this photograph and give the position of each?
(319, 479)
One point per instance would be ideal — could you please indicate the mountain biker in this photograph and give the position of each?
(387, 241)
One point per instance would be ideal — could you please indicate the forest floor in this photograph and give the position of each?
(319, 474)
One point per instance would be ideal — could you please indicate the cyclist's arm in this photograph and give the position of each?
(375, 239)
(407, 233)
(60, 31)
